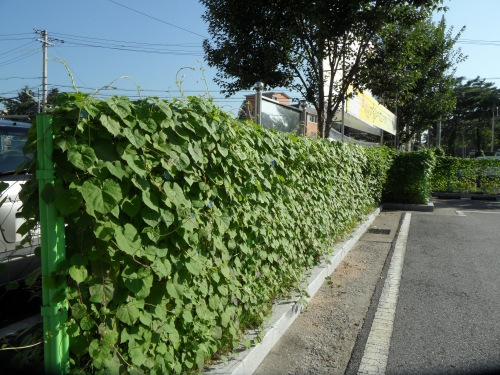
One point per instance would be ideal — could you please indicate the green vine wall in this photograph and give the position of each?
(183, 225)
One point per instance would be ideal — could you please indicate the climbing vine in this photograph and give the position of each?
(183, 225)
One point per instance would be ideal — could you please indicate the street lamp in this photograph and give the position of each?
(303, 105)
(258, 86)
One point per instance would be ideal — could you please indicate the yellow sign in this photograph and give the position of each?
(366, 108)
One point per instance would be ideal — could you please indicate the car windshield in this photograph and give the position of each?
(12, 140)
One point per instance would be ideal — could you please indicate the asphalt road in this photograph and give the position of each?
(448, 312)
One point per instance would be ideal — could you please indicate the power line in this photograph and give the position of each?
(78, 37)
(15, 34)
(12, 50)
(5, 79)
(5, 40)
(157, 19)
(128, 49)
(16, 59)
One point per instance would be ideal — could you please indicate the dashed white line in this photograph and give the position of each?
(377, 347)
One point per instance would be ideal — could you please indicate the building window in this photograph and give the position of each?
(312, 118)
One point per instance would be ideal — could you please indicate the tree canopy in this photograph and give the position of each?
(25, 102)
(316, 48)
(413, 68)
(476, 100)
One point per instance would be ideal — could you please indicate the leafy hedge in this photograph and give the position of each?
(183, 225)
(459, 175)
(408, 178)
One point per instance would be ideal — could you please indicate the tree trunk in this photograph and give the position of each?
(478, 144)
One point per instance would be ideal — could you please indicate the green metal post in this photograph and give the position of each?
(56, 348)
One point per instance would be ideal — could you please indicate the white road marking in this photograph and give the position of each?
(463, 213)
(376, 352)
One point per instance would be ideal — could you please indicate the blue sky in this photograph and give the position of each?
(94, 31)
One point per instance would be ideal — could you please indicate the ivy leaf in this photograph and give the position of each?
(193, 267)
(223, 151)
(131, 206)
(102, 290)
(150, 200)
(167, 216)
(148, 124)
(128, 314)
(101, 197)
(180, 160)
(216, 332)
(162, 267)
(115, 169)
(196, 153)
(135, 162)
(86, 323)
(111, 366)
(120, 105)
(110, 124)
(164, 107)
(82, 157)
(175, 289)
(78, 311)
(105, 231)
(187, 316)
(150, 217)
(67, 202)
(78, 273)
(128, 239)
(65, 143)
(135, 137)
(223, 222)
(139, 282)
(137, 356)
(174, 193)
(200, 359)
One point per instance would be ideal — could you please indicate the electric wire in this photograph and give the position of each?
(157, 51)
(14, 34)
(87, 38)
(5, 54)
(157, 19)
(16, 59)
(5, 79)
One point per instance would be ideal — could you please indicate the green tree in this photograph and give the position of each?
(25, 102)
(471, 117)
(412, 68)
(300, 45)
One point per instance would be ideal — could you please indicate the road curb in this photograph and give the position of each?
(473, 196)
(428, 207)
(246, 361)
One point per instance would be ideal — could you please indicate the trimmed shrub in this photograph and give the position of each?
(408, 177)
(458, 175)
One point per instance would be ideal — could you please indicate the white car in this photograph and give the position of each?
(15, 262)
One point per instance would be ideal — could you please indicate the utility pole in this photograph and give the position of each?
(45, 44)
(493, 129)
(396, 140)
(438, 135)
